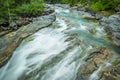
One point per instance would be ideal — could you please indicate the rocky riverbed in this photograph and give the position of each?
(110, 21)
(102, 64)
(112, 27)
(75, 47)
(10, 39)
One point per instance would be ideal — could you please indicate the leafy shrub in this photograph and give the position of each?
(98, 6)
(33, 7)
(10, 8)
(104, 5)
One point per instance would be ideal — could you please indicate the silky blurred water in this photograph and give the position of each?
(56, 52)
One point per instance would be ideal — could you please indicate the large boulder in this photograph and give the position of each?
(95, 64)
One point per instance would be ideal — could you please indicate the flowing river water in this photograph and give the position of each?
(56, 52)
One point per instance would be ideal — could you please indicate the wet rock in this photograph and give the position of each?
(111, 72)
(92, 30)
(112, 26)
(85, 71)
(9, 42)
(4, 32)
(93, 61)
(91, 18)
(72, 36)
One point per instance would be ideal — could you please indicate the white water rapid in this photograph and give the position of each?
(55, 52)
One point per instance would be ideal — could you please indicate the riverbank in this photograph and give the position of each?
(10, 39)
(22, 20)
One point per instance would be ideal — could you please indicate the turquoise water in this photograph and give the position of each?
(58, 51)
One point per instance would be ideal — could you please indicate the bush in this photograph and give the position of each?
(104, 5)
(11, 8)
(98, 6)
(33, 7)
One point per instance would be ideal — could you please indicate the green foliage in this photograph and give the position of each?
(14, 7)
(11, 8)
(94, 4)
(98, 6)
(33, 7)
(104, 5)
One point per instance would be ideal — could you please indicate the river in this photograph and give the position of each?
(56, 52)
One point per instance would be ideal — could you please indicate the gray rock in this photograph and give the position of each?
(81, 8)
(117, 38)
(64, 6)
(13, 24)
(90, 11)
(98, 16)
(117, 8)
(112, 25)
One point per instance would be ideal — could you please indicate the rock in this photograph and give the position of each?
(106, 13)
(99, 16)
(93, 61)
(2, 33)
(112, 26)
(9, 42)
(90, 11)
(92, 30)
(13, 25)
(64, 6)
(81, 8)
(30, 20)
(4, 29)
(117, 9)
(91, 18)
(4, 24)
(111, 72)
